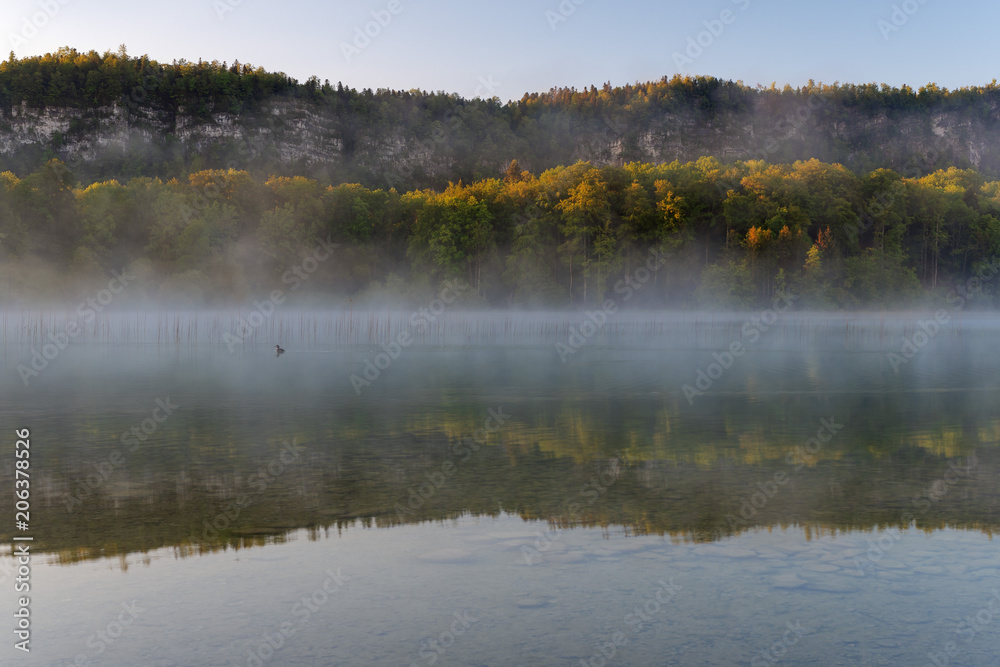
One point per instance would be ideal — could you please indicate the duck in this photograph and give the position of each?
(278, 350)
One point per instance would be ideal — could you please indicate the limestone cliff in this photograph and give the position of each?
(287, 134)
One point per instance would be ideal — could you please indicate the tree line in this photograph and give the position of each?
(728, 234)
(862, 126)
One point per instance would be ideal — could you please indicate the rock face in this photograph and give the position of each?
(293, 135)
(294, 130)
(282, 136)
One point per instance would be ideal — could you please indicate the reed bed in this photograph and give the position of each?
(242, 329)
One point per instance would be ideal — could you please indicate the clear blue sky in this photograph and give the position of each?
(509, 47)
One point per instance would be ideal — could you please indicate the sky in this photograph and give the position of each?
(506, 48)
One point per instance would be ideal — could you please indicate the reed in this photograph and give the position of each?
(300, 328)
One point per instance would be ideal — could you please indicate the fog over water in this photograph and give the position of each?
(644, 389)
(530, 470)
(299, 374)
(436, 324)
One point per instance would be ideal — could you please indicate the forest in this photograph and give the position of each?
(850, 196)
(728, 234)
(414, 139)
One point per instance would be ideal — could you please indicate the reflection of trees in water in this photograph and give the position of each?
(609, 442)
(856, 482)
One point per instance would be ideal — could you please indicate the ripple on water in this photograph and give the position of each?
(725, 552)
(787, 581)
(820, 567)
(517, 545)
(565, 558)
(447, 556)
(532, 602)
(832, 585)
(762, 567)
(500, 535)
(987, 573)
(887, 564)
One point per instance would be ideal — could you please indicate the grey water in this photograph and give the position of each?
(655, 488)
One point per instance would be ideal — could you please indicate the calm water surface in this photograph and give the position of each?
(483, 502)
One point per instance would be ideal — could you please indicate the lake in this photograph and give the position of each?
(406, 488)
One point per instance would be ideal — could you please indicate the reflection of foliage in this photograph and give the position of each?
(656, 479)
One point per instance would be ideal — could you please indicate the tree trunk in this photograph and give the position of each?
(571, 280)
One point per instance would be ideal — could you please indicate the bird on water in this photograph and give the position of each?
(278, 350)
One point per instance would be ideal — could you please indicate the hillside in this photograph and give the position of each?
(209, 182)
(113, 115)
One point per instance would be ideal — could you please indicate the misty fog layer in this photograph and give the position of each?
(678, 417)
(677, 372)
(695, 235)
(209, 183)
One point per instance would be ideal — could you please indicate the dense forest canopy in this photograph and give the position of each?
(732, 235)
(74, 79)
(856, 196)
(68, 78)
(416, 139)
